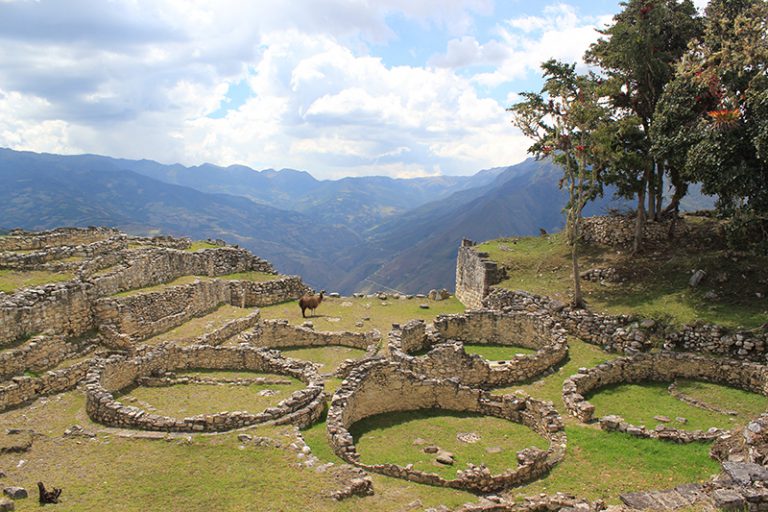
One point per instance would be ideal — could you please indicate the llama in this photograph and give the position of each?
(310, 302)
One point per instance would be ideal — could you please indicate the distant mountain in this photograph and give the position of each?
(417, 250)
(345, 235)
(46, 191)
(359, 203)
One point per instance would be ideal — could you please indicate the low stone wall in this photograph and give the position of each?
(475, 274)
(23, 389)
(620, 230)
(231, 328)
(248, 294)
(37, 354)
(108, 376)
(630, 334)
(138, 317)
(149, 267)
(381, 386)
(61, 308)
(448, 359)
(20, 240)
(49, 258)
(660, 367)
(280, 334)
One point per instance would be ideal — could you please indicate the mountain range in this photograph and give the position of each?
(352, 234)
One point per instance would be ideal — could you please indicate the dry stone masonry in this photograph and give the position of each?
(382, 386)
(448, 359)
(108, 376)
(659, 367)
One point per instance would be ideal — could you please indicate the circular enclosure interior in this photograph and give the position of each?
(117, 373)
(659, 367)
(381, 387)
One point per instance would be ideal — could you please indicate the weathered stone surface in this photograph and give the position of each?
(16, 493)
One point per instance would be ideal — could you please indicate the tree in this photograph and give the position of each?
(563, 121)
(638, 56)
(713, 117)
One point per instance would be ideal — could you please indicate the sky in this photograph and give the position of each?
(400, 88)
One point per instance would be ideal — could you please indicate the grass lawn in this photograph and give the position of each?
(342, 314)
(624, 399)
(329, 357)
(496, 352)
(201, 244)
(254, 276)
(389, 438)
(161, 286)
(657, 281)
(13, 280)
(191, 399)
(201, 325)
(746, 404)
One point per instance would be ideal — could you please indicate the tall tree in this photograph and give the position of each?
(714, 115)
(638, 54)
(563, 121)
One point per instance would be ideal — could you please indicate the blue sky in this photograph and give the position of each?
(400, 88)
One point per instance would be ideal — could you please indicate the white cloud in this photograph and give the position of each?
(139, 79)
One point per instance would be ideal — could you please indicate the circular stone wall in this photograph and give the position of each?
(660, 367)
(447, 357)
(382, 386)
(108, 376)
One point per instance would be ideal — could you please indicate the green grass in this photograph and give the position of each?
(496, 352)
(550, 387)
(254, 276)
(201, 325)
(623, 400)
(389, 438)
(747, 405)
(12, 280)
(601, 465)
(191, 399)
(329, 357)
(657, 285)
(342, 314)
(201, 244)
(162, 286)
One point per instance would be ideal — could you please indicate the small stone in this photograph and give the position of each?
(431, 449)
(244, 438)
(6, 504)
(681, 420)
(424, 306)
(663, 419)
(16, 493)
(696, 278)
(443, 459)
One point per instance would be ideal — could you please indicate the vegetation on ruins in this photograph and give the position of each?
(564, 122)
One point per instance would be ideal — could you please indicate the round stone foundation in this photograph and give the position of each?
(660, 367)
(109, 376)
(447, 358)
(383, 386)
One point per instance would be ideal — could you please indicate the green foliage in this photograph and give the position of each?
(565, 122)
(714, 115)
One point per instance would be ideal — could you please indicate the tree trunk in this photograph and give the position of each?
(649, 177)
(578, 299)
(659, 190)
(639, 221)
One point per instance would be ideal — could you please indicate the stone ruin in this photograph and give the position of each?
(86, 331)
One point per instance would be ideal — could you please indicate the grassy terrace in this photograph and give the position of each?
(200, 245)
(657, 286)
(192, 399)
(201, 325)
(12, 280)
(243, 276)
(496, 352)
(342, 314)
(329, 357)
